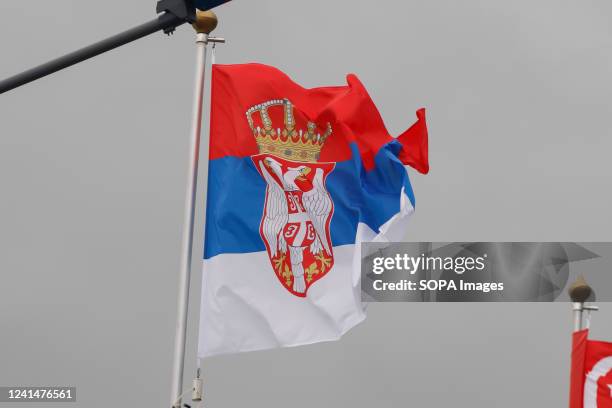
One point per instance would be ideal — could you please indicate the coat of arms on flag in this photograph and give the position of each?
(298, 208)
(297, 180)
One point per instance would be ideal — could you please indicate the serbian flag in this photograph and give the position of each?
(591, 377)
(297, 179)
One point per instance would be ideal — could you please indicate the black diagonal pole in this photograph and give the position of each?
(163, 22)
(173, 13)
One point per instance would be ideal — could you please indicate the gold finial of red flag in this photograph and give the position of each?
(579, 291)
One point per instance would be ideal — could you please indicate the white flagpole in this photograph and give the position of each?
(206, 22)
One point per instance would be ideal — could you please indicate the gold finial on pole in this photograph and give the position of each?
(579, 291)
(206, 22)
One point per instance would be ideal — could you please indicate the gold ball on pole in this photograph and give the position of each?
(206, 22)
(579, 291)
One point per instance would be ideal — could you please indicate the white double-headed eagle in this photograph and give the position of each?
(316, 202)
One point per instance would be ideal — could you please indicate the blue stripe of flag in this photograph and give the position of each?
(236, 196)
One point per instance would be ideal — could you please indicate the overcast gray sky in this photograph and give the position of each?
(92, 171)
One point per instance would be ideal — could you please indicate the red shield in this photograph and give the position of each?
(296, 220)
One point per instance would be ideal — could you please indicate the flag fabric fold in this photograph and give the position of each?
(297, 179)
(591, 372)
(415, 147)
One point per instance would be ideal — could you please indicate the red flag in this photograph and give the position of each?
(579, 343)
(591, 376)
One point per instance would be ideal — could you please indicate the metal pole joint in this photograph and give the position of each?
(182, 9)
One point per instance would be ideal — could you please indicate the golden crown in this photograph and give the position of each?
(289, 143)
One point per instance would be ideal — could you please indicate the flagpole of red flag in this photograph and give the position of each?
(205, 23)
(579, 292)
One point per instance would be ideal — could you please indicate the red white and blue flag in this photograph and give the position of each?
(297, 179)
